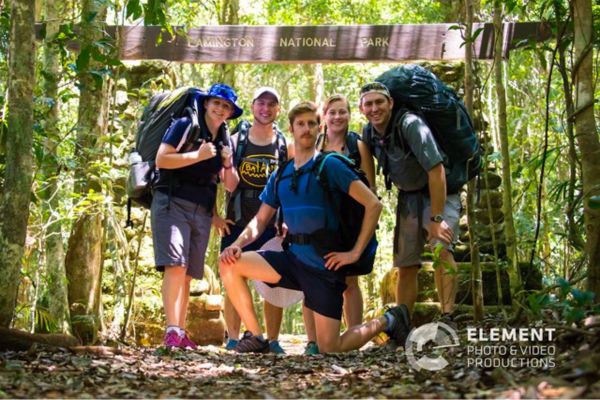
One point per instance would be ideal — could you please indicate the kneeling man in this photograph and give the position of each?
(304, 208)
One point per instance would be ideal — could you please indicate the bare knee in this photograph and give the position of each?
(331, 345)
(408, 272)
(226, 269)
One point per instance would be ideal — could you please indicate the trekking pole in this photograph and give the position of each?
(133, 279)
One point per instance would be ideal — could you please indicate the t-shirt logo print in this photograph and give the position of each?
(255, 169)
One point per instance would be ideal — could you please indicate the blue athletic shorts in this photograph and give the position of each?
(322, 289)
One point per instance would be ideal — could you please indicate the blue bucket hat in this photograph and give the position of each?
(225, 92)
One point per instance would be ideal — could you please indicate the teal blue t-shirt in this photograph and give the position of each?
(304, 204)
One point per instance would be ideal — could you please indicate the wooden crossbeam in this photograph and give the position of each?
(230, 44)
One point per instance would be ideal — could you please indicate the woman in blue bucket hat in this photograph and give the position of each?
(183, 208)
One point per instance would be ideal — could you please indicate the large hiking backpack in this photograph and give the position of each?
(350, 215)
(156, 119)
(420, 91)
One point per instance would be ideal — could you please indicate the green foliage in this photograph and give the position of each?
(4, 33)
(571, 303)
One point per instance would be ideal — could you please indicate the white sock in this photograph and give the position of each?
(178, 330)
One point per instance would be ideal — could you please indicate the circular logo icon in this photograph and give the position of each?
(440, 336)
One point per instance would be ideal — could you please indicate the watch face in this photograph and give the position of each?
(437, 218)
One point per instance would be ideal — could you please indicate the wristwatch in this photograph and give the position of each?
(437, 218)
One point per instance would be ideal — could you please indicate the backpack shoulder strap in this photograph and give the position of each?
(398, 129)
(278, 173)
(352, 139)
(320, 143)
(243, 131)
(281, 145)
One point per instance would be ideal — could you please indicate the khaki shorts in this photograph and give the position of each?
(410, 238)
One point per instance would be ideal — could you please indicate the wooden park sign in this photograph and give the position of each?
(322, 43)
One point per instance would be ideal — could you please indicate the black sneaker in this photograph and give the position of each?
(251, 344)
(401, 326)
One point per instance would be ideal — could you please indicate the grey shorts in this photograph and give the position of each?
(180, 234)
(409, 238)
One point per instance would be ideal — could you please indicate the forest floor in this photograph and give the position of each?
(571, 371)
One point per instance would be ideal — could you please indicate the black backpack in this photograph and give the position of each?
(350, 215)
(415, 88)
(352, 139)
(157, 117)
(243, 131)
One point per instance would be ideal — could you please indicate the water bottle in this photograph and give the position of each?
(134, 158)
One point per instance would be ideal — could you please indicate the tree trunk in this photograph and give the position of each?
(574, 235)
(83, 262)
(228, 15)
(14, 208)
(56, 292)
(476, 281)
(587, 135)
(509, 225)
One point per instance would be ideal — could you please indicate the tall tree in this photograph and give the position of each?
(84, 259)
(49, 174)
(586, 133)
(228, 15)
(14, 208)
(509, 225)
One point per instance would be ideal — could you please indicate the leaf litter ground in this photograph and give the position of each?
(211, 372)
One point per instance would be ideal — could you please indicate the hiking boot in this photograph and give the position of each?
(275, 347)
(172, 339)
(401, 325)
(186, 342)
(311, 349)
(231, 343)
(251, 344)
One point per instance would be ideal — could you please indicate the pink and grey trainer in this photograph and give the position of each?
(172, 339)
(186, 342)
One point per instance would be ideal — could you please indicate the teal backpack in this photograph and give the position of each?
(419, 91)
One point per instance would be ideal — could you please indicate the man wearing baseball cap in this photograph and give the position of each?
(258, 149)
(409, 157)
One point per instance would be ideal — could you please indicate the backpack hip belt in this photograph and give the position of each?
(249, 193)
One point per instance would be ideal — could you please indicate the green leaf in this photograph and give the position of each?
(91, 16)
(134, 9)
(83, 60)
(564, 287)
(594, 202)
(154, 13)
(582, 298)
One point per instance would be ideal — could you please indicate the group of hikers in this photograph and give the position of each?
(293, 205)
